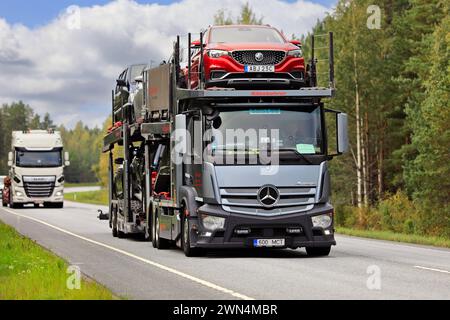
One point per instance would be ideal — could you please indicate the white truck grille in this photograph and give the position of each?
(39, 187)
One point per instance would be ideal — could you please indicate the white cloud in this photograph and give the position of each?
(70, 72)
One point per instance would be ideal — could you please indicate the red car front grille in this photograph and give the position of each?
(253, 57)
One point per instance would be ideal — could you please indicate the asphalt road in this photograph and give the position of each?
(356, 268)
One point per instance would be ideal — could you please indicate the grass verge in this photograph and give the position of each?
(99, 197)
(29, 272)
(393, 236)
(77, 185)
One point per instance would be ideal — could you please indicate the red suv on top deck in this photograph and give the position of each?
(248, 55)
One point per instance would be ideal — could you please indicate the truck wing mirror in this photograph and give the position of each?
(66, 159)
(342, 136)
(121, 83)
(10, 159)
(118, 161)
(337, 123)
(296, 42)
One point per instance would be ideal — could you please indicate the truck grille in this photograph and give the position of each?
(39, 189)
(248, 57)
(245, 200)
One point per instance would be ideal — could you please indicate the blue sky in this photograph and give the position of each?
(34, 13)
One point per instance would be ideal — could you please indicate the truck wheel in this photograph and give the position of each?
(318, 251)
(13, 205)
(153, 231)
(114, 223)
(4, 204)
(186, 238)
(160, 243)
(120, 234)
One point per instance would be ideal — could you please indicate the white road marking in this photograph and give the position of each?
(432, 269)
(152, 263)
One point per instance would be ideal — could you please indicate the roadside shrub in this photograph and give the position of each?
(398, 214)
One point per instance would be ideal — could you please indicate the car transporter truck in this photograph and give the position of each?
(224, 167)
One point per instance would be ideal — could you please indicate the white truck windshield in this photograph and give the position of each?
(38, 159)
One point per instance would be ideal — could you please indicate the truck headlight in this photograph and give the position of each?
(296, 53)
(322, 221)
(217, 53)
(58, 194)
(19, 194)
(212, 223)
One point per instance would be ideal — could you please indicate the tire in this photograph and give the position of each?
(159, 242)
(55, 205)
(114, 223)
(318, 251)
(153, 231)
(186, 238)
(4, 204)
(13, 205)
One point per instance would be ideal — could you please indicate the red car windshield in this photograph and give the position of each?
(245, 34)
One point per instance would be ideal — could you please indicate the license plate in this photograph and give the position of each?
(268, 242)
(259, 68)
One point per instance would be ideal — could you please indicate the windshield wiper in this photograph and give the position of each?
(294, 151)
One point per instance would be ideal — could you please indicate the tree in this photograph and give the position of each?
(428, 173)
(247, 16)
(16, 116)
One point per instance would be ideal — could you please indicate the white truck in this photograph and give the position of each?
(36, 164)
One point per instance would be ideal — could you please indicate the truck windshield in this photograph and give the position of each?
(245, 34)
(294, 133)
(38, 159)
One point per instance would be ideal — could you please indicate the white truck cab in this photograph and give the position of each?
(36, 164)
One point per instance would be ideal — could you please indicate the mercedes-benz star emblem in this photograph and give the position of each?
(268, 195)
(259, 56)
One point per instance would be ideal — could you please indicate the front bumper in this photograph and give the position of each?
(254, 82)
(262, 228)
(24, 199)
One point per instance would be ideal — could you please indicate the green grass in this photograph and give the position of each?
(76, 185)
(393, 236)
(29, 272)
(99, 197)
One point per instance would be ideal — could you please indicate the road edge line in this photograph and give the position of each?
(131, 255)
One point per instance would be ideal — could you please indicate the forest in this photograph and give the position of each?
(392, 78)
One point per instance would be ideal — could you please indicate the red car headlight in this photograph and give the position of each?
(217, 53)
(298, 53)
